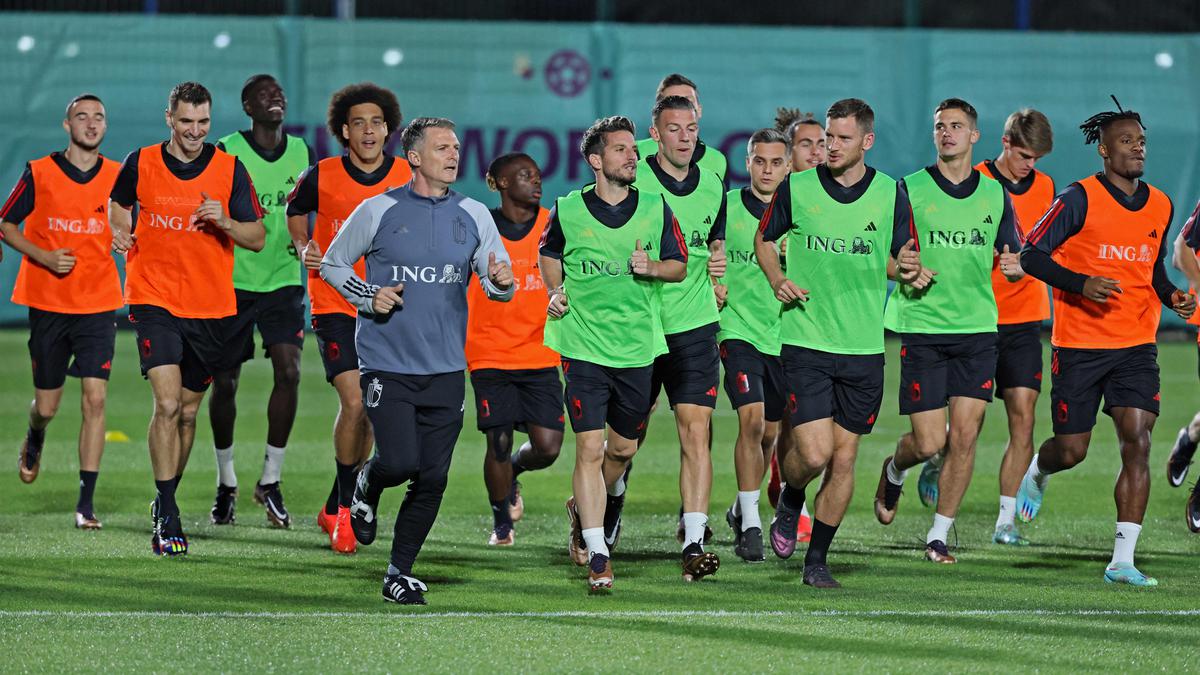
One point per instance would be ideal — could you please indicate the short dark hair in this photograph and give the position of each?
(82, 97)
(958, 104)
(188, 92)
(356, 94)
(769, 136)
(856, 108)
(670, 103)
(788, 120)
(498, 166)
(415, 131)
(253, 81)
(674, 80)
(596, 136)
(1030, 129)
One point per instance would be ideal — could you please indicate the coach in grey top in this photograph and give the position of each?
(421, 243)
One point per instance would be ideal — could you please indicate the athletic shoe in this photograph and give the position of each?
(271, 497)
(516, 505)
(1193, 509)
(404, 590)
(803, 528)
(818, 576)
(1126, 573)
(735, 524)
(87, 521)
(600, 574)
(341, 538)
(749, 546)
(224, 508)
(362, 512)
(698, 563)
(29, 462)
(154, 514)
(1029, 499)
(171, 540)
(1008, 535)
(1179, 459)
(775, 486)
(936, 551)
(887, 497)
(326, 521)
(501, 536)
(576, 546)
(927, 484)
(783, 531)
(613, 507)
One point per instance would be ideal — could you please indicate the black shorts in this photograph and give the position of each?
(163, 339)
(518, 399)
(753, 377)
(691, 368)
(598, 395)
(1019, 359)
(335, 339)
(1126, 378)
(934, 368)
(79, 345)
(279, 315)
(845, 387)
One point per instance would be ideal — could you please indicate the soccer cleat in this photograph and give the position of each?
(783, 529)
(803, 528)
(887, 497)
(362, 513)
(29, 462)
(1193, 509)
(516, 505)
(224, 508)
(1029, 499)
(1180, 459)
(341, 537)
(936, 551)
(404, 590)
(327, 521)
(576, 547)
(749, 546)
(600, 574)
(818, 576)
(698, 563)
(87, 521)
(1126, 573)
(501, 536)
(735, 524)
(927, 484)
(613, 507)
(1008, 535)
(169, 539)
(775, 486)
(271, 497)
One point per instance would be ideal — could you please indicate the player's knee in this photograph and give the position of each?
(224, 385)
(187, 415)
(752, 428)
(167, 407)
(928, 446)
(393, 469)
(619, 452)
(46, 410)
(695, 437)
(353, 409)
(92, 404)
(1136, 448)
(501, 452)
(288, 377)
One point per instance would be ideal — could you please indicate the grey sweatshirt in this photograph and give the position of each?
(431, 245)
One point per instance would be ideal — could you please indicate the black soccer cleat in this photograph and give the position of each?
(404, 590)
(362, 513)
(1180, 458)
(749, 546)
(271, 498)
(818, 576)
(224, 508)
(1193, 509)
(698, 563)
(613, 506)
(735, 524)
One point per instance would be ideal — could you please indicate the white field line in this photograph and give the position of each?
(643, 614)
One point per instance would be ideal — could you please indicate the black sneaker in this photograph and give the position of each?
(613, 506)
(936, 551)
(224, 508)
(818, 576)
(698, 563)
(404, 590)
(1193, 509)
(749, 546)
(1180, 458)
(735, 524)
(362, 512)
(272, 498)
(169, 539)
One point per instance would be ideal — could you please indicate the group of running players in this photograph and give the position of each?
(648, 278)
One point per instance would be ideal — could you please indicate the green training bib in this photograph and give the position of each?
(751, 312)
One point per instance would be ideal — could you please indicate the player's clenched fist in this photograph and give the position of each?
(1099, 289)
(500, 273)
(639, 260)
(908, 263)
(558, 303)
(717, 261)
(387, 299)
(787, 291)
(211, 211)
(1184, 304)
(312, 256)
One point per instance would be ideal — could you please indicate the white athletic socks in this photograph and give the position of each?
(940, 529)
(1008, 509)
(1036, 474)
(894, 475)
(594, 538)
(693, 527)
(1126, 542)
(272, 465)
(225, 473)
(747, 508)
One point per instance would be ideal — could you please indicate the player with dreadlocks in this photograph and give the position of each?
(1101, 246)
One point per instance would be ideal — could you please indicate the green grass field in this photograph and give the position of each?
(249, 597)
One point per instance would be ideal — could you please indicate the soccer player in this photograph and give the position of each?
(1023, 306)
(806, 135)
(421, 242)
(604, 255)
(851, 229)
(749, 338)
(962, 219)
(361, 116)
(515, 376)
(690, 370)
(1184, 448)
(270, 294)
(69, 282)
(195, 204)
(706, 156)
(1101, 247)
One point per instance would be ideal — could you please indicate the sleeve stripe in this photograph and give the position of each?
(679, 237)
(1043, 225)
(17, 191)
(258, 209)
(766, 218)
(912, 228)
(1187, 225)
